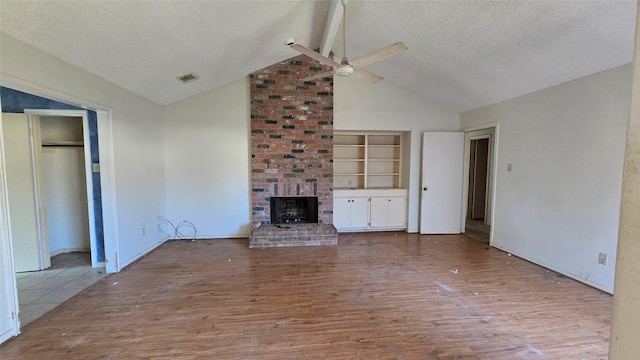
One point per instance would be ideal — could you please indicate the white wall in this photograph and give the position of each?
(207, 161)
(136, 133)
(559, 206)
(359, 105)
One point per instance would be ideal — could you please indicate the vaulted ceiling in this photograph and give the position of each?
(462, 54)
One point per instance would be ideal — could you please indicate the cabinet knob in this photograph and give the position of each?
(425, 188)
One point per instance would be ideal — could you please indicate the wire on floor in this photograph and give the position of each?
(177, 229)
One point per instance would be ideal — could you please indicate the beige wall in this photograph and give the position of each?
(558, 206)
(207, 161)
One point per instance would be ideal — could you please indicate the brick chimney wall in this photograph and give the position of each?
(291, 136)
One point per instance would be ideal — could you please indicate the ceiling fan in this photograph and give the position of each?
(355, 67)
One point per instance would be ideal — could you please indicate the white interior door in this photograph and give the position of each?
(442, 182)
(21, 192)
(8, 297)
(9, 322)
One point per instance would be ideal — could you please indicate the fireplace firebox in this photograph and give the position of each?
(292, 210)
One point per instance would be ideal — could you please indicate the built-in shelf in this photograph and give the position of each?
(62, 143)
(364, 160)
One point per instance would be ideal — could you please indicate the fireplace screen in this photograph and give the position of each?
(298, 209)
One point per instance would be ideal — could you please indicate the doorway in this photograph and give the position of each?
(477, 219)
(53, 176)
(64, 181)
(16, 100)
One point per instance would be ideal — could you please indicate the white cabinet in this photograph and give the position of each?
(351, 212)
(397, 212)
(388, 212)
(370, 209)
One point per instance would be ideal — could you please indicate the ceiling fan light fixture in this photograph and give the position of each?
(344, 70)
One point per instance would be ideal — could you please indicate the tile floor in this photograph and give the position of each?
(41, 291)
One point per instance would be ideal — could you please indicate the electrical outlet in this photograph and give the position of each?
(143, 231)
(602, 259)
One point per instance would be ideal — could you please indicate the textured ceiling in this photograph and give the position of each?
(462, 54)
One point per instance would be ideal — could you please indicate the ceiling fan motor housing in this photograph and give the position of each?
(344, 70)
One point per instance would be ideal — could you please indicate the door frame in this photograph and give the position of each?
(107, 185)
(493, 171)
(488, 178)
(39, 180)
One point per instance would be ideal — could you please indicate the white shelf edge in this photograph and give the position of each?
(62, 143)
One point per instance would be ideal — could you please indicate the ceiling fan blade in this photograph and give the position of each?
(378, 55)
(314, 55)
(318, 76)
(366, 75)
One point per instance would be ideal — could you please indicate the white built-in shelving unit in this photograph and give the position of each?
(367, 160)
(367, 181)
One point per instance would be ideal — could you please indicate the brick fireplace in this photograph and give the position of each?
(291, 150)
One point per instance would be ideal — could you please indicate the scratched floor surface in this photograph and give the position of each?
(382, 295)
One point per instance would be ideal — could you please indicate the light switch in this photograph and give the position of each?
(95, 167)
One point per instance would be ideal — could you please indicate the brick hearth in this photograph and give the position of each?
(294, 235)
(291, 149)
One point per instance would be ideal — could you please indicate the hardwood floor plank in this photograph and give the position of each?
(380, 295)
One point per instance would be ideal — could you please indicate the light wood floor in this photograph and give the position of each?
(375, 296)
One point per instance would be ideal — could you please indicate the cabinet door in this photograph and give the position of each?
(342, 213)
(379, 212)
(359, 212)
(396, 212)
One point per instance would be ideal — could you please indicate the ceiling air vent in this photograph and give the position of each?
(187, 78)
